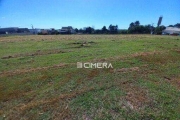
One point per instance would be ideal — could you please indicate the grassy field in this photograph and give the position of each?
(39, 78)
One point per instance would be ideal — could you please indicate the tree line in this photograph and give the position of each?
(134, 28)
(112, 29)
(137, 28)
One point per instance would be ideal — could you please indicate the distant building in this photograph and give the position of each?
(67, 30)
(42, 31)
(9, 30)
(35, 31)
(13, 30)
(171, 30)
(23, 30)
(45, 31)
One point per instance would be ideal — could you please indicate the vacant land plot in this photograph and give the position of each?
(39, 78)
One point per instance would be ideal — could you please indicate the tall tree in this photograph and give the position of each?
(131, 25)
(158, 30)
(137, 23)
(177, 25)
(76, 30)
(110, 26)
(89, 30)
(80, 30)
(104, 29)
(139, 29)
(113, 29)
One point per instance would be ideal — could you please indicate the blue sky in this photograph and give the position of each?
(83, 13)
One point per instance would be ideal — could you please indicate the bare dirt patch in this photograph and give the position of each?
(82, 44)
(174, 81)
(37, 53)
(139, 54)
(125, 70)
(146, 53)
(93, 73)
(63, 111)
(162, 58)
(136, 98)
(23, 71)
(11, 95)
(177, 50)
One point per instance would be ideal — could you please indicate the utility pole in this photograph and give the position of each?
(159, 21)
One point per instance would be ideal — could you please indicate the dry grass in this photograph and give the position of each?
(136, 97)
(125, 70)
(174, 81)
(159, 58)
(59, 112)
(23, 71)
(93, 73)
(127, 91)
(37, 53)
